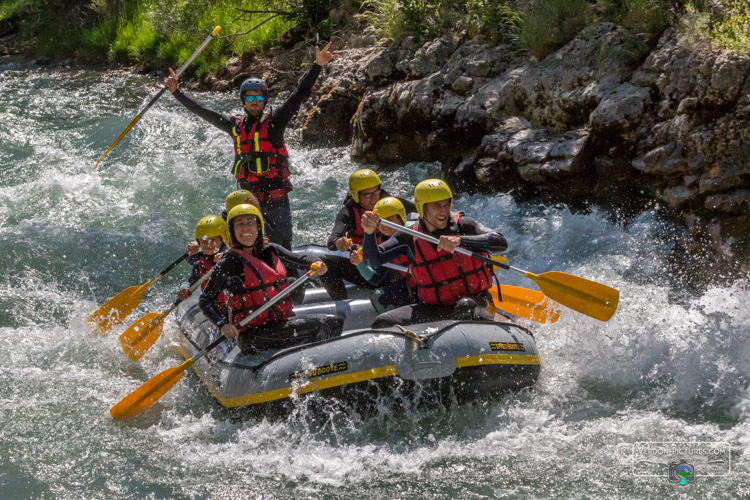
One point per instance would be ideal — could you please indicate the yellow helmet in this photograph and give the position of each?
(210, 226)
(391, 206)
(245, 209)
(236, 198)
(431, 190)
(362, 179)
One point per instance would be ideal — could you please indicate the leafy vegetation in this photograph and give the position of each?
(153, 32)
(160, 33)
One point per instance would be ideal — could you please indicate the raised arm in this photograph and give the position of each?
(216, 119)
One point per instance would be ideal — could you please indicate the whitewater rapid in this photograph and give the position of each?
(671, 366)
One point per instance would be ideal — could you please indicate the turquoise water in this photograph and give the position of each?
(672, 365)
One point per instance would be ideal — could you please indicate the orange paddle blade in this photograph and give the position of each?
(150, 392)
(525, 303)
(582, 295)
(142, 334)
(116, 309)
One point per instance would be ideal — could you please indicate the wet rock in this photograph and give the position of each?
(221, 86)
(718, 184)
(621, 111)
(431, 57)
(736, 202)
(663, 160)
(678, 196)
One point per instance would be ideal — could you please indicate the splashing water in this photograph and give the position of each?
(672, 365)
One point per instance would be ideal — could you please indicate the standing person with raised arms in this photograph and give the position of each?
(261, 160)
(449, 284)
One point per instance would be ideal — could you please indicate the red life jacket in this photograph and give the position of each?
(205, 263)
(262, 283)
(256, 160)
(445, 278)
(358, 234)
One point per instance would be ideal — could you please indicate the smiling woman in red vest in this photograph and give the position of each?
(261, 160)
(249, 275)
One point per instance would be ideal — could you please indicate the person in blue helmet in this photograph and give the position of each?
(261, 159)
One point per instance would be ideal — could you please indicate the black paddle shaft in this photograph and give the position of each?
(171, 266)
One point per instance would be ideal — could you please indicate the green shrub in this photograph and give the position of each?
(733, 31)
(549, 24)
(494, 19)
(383, 15)
(646, 16)
(729, 30)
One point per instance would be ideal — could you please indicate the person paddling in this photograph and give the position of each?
(449, 284)
(395, 288)
(211, 235)
(249, 275)
(365, 190)
(261, 160)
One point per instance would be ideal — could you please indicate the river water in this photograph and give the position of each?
(671, 366)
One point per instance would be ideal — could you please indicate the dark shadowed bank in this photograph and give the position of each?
(622, 104)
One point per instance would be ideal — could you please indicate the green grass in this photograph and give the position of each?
(550, 24)
(155, 33)
(383, 15)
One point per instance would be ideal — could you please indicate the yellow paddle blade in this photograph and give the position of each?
(525, 303)
(504, 260)
(142, 334)
(116, 309)
(150, 392)
(124, 133)
(582, 295)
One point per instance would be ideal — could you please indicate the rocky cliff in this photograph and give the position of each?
(605, 119)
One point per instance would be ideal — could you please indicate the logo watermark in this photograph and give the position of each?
(681, 462)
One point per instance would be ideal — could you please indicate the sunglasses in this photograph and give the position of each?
(368, 195)
(250, 98)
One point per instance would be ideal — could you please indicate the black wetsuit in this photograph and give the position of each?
(474, 236)
(341, 269)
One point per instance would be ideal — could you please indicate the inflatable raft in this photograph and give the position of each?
(467, 358)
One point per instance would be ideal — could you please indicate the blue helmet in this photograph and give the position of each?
(254, 84)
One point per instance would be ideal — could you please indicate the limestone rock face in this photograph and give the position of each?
(594, 121)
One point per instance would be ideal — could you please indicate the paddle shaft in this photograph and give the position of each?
(389, 265)
(181, 70)
(192, 288)
(156, 97)
(299, 282)
(167, 269)
(462, 250)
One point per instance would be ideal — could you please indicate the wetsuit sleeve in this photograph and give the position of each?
(340, 227)
(296, 260)
(376, 255)
(366, 271)
(477, 236)
(225, 123)
(226, 269)
(284, 114)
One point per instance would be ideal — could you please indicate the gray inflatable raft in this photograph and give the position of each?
(470, 358)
